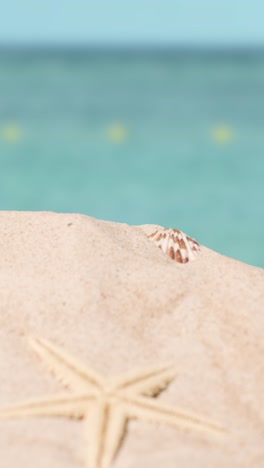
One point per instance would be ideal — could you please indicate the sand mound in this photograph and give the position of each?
(105, 294)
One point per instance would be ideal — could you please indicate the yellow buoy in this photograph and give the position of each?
(11, 132)
(222, 134)
(117, 133)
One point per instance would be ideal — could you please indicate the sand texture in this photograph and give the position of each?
(105, 294)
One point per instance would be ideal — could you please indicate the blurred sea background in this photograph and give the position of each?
(168, 135)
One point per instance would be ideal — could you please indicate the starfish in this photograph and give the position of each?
(105, 404)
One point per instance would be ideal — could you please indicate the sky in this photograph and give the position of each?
(122, 22)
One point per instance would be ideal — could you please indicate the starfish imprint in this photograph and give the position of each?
(105, 404)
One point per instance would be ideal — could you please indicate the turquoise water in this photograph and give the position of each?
(175, 139)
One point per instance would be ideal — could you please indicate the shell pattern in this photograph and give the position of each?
(177, 245)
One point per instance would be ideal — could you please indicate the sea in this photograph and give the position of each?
(173, 137)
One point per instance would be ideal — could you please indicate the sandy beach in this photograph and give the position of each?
(105, 294)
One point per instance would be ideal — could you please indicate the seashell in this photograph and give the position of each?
(177, 245)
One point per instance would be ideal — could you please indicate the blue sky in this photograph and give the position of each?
(206, 22)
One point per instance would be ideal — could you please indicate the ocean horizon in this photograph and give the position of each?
(169, 136)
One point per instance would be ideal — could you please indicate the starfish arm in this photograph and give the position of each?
(62, 405)
(156, 411)
(146, 382)
(105, 427)
(68, 370)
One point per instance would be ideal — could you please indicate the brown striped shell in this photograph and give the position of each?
(177, 245)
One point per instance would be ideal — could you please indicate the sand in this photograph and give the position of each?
(106, 294)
